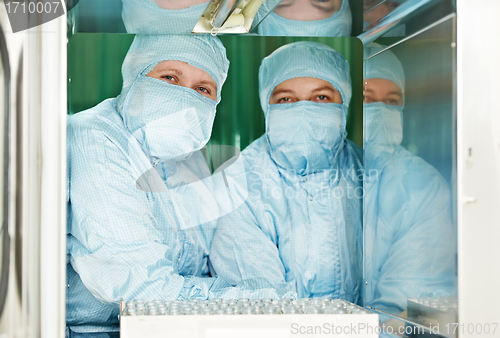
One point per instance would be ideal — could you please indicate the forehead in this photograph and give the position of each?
(381, 85)
(303, 83)
(183, 69)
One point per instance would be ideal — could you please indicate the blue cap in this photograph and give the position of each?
(384, 66)
(304, 59)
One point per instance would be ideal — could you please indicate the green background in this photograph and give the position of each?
(94, 74)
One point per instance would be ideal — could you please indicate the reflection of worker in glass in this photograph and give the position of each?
(125, 243)
(409, 238)
(162, 16)
(308, 18)
(301, 224)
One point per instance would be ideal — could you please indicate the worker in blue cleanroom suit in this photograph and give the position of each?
(308, 18)
(409, 239)
(141, 216)
(301, 224)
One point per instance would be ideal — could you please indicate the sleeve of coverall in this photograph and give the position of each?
(121, 252)
(243, 250)
(421, 257)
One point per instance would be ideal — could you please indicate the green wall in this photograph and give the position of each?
(94, 74)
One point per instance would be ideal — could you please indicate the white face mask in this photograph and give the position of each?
(383, 129)
(305, 136)
(169, 121)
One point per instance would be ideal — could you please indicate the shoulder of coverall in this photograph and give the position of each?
(89, 130)
(304, 59)
(421, 182)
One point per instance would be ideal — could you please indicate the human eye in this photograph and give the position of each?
(323, 98)
(203, 90)
(284, 100)
(169, 78)
(393, 102)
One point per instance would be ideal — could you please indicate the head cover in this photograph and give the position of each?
(201, 51)
(383, 123)
(304, 59)
(383, 66)
(170, 121)
(146, 17)
(338, 25)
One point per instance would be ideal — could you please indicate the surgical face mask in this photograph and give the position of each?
(383, 128)
(338, 25)
(146, 17)
(169, 121)
(305, 136)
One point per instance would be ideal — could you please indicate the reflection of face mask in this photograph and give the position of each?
(146, 17)
(339, 24)
(383, 129)
(169, 121)
(305, 136)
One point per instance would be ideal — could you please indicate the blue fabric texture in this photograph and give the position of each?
(298, 228)
(140, 224)
(338, 25)
(410, 249)
(146, 17)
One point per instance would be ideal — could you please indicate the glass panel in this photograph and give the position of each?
(404, 17)
(409, 145)
(374, 10)
(331, 18)
(4, 151)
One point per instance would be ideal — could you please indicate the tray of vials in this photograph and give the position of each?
(242, 318)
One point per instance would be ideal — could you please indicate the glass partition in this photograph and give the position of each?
(4, 166)
(410, 183)
(396, 19)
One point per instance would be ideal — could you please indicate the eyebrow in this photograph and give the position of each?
(173, 70)
(281, 91)
(395, 93)
(325, 88)
(206, 83)
(398, 93)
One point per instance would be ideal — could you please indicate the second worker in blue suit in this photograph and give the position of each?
(301, 226)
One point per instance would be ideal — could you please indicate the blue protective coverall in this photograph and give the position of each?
(301, 224)
(410, 242)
